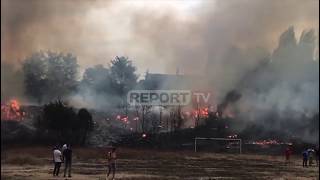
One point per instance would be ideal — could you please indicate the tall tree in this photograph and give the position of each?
(62, 72)
(96, 78)
(50, 75)
(123, 76)
(35, 76)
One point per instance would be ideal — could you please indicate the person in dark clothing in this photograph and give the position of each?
(317, 155)
(112, 156)
(67, 156)
(310, 156)
(305, 156)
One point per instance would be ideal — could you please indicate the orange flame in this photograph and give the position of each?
(202, 112)
(12, 111)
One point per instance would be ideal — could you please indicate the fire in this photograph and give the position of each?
(234, 136)
(268, 142)
(12, 111)
(202, 112)
(124, 119)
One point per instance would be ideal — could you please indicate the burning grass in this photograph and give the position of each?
(142, 164)
(11, 111)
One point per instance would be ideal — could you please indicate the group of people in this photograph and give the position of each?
(65, 156)
(308, 155)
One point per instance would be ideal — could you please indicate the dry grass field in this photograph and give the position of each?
(34, 163)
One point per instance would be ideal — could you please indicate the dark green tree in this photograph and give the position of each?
(96, 78)
(50, 75)
(59, 120)
(85, 124)
(62, 74)
(35, 77)
(123, 76)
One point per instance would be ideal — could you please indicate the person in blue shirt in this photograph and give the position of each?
(305, 155)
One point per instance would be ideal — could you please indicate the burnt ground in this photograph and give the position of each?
(34, 163)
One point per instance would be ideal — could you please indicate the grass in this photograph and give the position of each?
(90, 163)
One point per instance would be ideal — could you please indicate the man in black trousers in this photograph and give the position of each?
(67, 156)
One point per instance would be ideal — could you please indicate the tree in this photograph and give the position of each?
(50, 75)
(143, 112)
(85, 123)
(60, 120)
(35, 76)
(62, 72)
(96, 78)
(123, 77)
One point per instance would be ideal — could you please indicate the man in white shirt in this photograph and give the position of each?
(57, 161)
(64, 147)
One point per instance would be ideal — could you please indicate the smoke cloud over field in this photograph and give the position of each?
(236, 44)
(173, 33)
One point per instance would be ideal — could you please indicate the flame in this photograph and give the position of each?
(234, 136)
(269, 142)
(201, 112)
(124, 119)
(12, 111)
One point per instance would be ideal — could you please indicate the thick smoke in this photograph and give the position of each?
(235, 44)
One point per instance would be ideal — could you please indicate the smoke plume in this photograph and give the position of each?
(236, 44)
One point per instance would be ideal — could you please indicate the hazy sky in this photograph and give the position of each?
(157, 35)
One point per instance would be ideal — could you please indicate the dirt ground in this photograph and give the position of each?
(34, 163)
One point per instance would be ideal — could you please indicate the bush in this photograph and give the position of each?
(60, 123)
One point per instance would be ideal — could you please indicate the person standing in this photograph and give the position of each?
(317, 155)
(310, 156)
(288, 153)
(64, 147)
(57, 161)
(305, 155)
(112, 156)
(67, 156)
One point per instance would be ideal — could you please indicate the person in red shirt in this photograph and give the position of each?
(288, 153)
